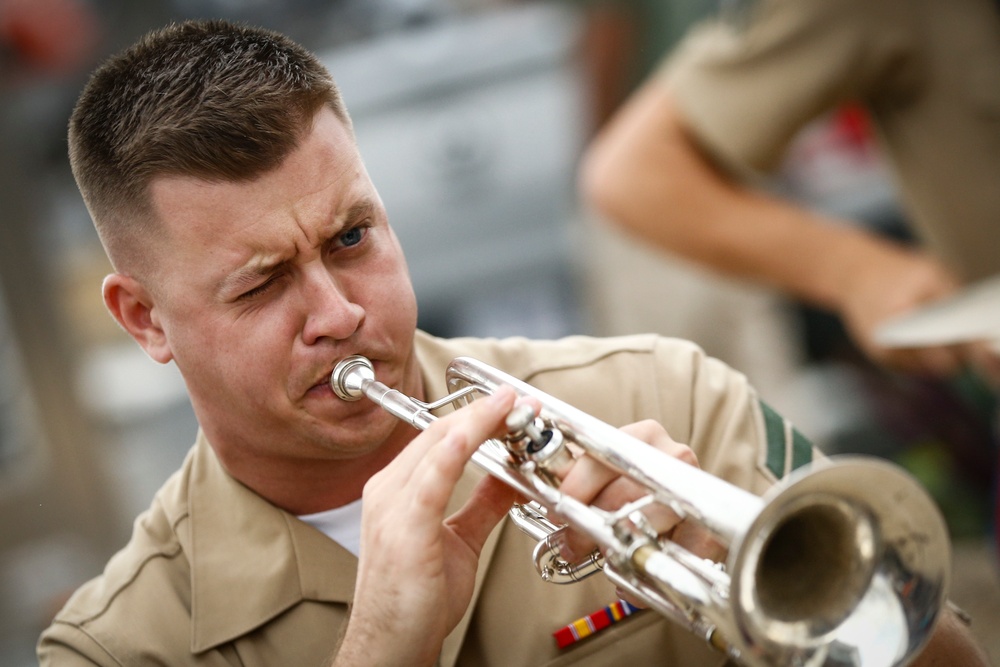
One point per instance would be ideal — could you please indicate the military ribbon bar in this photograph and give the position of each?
(591, 623)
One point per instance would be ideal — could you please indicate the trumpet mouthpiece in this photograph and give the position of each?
(349, 375)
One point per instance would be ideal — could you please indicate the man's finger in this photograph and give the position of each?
(489, 503)
(444, 458)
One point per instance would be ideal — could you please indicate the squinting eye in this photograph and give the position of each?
(257, 291)
(352, 236)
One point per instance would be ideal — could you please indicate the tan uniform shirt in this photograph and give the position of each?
(927, 70)
(215, 575)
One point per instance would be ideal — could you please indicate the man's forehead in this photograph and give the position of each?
(250, 227)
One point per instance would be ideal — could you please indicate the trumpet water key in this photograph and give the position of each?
(842, 564)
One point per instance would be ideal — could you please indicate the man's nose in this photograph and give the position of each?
(330, 312)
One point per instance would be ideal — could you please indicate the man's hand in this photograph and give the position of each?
(417, 568)
(594, 483)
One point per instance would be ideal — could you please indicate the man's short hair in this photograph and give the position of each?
(207, 99)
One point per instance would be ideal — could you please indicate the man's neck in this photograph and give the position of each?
(306, 486)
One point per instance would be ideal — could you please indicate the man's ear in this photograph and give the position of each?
(132, 306)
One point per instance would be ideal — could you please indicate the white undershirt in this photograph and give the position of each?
(341, 524)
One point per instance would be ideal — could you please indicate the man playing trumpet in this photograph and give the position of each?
(252, 250)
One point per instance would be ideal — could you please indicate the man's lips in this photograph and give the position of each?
(323, 385)
(320, 385)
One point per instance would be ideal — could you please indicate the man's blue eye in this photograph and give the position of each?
(352, 237)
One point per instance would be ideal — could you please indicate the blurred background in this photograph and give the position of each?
(471, 116)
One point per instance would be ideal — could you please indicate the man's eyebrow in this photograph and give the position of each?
(361, 209)
(248, 275)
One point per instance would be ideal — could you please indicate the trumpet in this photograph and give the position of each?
(843, 563)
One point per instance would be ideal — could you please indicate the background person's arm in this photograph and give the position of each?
(645, 172)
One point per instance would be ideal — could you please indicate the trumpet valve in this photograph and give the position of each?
(530, 439)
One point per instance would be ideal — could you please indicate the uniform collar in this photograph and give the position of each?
(251, 561)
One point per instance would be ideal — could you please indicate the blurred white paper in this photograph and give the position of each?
(970, 315)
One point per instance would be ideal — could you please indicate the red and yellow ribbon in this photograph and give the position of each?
(591, 623)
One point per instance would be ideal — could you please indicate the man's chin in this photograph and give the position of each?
(361, 431)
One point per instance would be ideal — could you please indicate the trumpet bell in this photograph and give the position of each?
(848, 561)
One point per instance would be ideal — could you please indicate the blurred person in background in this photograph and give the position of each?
(251, 249)
(676, 165)
(684, 163)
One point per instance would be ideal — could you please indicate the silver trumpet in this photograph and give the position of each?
(843, 563)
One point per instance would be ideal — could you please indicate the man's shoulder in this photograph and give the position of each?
(617, 379)
(147, 580)
(530, 358)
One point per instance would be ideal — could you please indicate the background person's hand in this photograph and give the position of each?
(881, 287)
